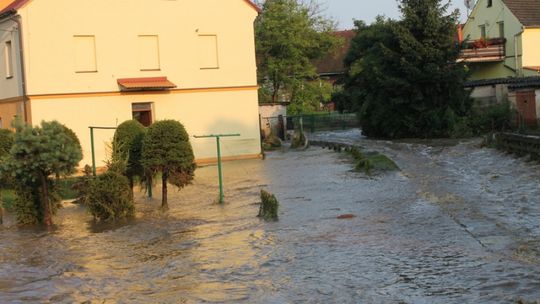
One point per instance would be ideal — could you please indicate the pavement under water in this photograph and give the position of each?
(458, 224)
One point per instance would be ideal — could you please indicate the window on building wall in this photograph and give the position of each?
(483, 31)
(501, 29)
(85, 53)
(8, 57)
(208, 52)
(142, 112)
(149, 53)
(489, 3)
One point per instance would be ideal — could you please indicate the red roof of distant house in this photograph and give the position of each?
(146, 83)
(533, 68)
(527, 11)
(16, 4)
(333, 63)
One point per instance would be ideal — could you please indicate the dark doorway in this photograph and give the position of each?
(142, 112)
(526, 107)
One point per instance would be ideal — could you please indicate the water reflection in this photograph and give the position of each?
(453, 227)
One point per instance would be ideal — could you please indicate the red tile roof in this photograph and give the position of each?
(333, 63)
(146, 83)
(16, 4)
(255, 6)
(527, 11)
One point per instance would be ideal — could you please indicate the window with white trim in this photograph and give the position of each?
(8, 57)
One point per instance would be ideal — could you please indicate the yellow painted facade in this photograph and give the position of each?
(75, 50)
(531, 47)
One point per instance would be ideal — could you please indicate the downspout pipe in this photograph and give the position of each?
(17, 20)
(516, 52)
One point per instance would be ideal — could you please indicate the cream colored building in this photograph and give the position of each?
(101, 62)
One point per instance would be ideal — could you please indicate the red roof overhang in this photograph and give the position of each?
(255, 6)
(15, 5)
(145, 83)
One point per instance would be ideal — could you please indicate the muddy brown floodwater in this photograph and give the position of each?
(459, 224)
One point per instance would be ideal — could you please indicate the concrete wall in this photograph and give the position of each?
(484, 96)
(498, 12)
(208, 112)
(269, 117)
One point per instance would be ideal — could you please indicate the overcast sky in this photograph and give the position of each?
(344, 11)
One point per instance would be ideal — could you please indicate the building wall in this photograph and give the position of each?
(538, 104)
(531, 47)
(498, 12)
(50, 28)
(10, 87)
(201, 112)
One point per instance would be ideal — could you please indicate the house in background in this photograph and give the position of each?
(101, 62)
(502, 39)
(331, 69)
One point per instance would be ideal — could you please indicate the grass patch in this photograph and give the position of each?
(8, 198)
(372, 162)
(65, 190)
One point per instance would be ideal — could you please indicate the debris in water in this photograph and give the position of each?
(346, 216)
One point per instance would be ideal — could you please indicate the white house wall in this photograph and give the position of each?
(201, 113)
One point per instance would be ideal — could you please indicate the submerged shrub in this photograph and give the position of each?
(373, 161)
(83, 186)
(110, 197)
(269, 206)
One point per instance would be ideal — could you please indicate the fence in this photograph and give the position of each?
(323, 122)
(311, 123)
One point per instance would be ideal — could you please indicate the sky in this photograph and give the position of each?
(344, 11)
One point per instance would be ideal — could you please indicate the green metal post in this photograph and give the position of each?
(220, 173)
(221, 196)
(93, 152)
(150, 188)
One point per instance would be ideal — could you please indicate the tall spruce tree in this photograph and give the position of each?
(404, 79)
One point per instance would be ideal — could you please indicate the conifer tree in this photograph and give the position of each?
(166, 149)
(404, 79)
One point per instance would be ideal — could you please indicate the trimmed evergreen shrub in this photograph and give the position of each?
(38, 154)
(166, 149)
(110, 197)
(127, 147)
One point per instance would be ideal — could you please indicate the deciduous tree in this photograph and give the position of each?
(290, 36)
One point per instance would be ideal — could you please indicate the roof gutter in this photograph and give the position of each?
(7, 14)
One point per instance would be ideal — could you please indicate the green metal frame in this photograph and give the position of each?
(220, 173)
(94, 153)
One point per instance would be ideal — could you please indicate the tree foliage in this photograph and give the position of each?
(39, 153)
(109, 196)
(403, 79)
(166, 149)
(127, 147)
(290, 36)
(6, 141)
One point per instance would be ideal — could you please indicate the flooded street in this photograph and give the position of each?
(458, 224)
